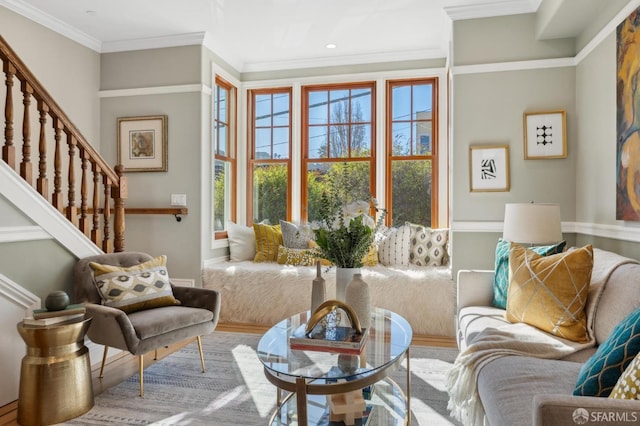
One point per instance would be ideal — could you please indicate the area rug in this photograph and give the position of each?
(234, 390)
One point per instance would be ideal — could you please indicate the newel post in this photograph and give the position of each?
(119, 194)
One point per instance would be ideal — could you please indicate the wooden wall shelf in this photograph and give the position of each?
(176, 211)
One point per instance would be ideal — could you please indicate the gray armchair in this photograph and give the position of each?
(143, 331)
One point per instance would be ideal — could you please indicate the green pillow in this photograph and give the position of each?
(601, 372)
(501, 277)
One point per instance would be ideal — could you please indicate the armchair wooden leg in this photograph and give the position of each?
(201, 354)
(104, 359)
(141, 367)
(155, 355)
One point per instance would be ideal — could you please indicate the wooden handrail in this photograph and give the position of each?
(41, 94)
(99, 188)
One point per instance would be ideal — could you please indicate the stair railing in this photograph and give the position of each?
(84, 187)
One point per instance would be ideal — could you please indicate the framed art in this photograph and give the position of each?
(489, 168)
(142, 143)
(545, 135)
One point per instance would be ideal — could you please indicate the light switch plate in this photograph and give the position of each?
(179, 200)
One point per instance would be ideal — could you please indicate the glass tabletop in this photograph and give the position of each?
(389, 339)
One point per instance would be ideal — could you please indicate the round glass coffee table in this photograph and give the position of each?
(311, 378)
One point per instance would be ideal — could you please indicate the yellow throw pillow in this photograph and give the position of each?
(313, 245)
(143, 286)
(296, 257)
(268, 239)
(550, 292)
(628, 385)
(371, 258)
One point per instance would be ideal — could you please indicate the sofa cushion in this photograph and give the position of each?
(428, 247)
(143, 286)
(295, 236)
(242, 242)
(501, 275)
(147, 323)
(600, 373)
(628, 385)
(394, 248)
(508, 384)
(550, 292)
(268, 239)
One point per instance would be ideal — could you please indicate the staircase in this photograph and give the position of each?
(52, 156)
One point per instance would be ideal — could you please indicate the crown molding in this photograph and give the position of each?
(54, 24)
(187, 39)
(406, 55)
(491, 8)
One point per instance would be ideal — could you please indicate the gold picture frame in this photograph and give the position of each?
(545, 135)
(142, 143)
(489, 168)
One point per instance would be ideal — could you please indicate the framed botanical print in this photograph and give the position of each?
(142, 143)
(489, 168)
(545, 135)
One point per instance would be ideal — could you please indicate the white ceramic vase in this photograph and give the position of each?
(358, 297)
(343, 276)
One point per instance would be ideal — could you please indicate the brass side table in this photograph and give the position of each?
(55, 376)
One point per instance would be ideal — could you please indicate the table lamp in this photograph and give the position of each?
(532, 223)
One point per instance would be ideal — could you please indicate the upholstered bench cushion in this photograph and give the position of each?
(507, 386)
(147, 325)
(265, 293)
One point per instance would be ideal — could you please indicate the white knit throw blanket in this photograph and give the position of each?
(519, 339)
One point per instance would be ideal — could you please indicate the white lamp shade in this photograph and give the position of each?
(532, 223)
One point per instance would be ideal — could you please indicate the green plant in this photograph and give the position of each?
(345, 231)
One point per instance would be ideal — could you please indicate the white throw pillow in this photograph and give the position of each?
(428, 246)
(242, 242)
(394, 249)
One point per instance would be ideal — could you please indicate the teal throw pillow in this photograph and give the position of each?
(501, 277)
(601, 372)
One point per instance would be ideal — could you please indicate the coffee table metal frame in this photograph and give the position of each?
(304, 385)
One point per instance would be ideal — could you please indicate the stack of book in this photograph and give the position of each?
(43, 317)
(331, 339)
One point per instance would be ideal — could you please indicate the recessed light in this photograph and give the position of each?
(330, 46)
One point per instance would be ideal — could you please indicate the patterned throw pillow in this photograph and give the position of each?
(501, 275)
(394, 248)
(428, 246)
(550, 292)
(268, 239)
(296, 257)
(628, 385)
(295, 236)
(135, 288)
(601, 372)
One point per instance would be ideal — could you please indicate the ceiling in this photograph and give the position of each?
(259, 35)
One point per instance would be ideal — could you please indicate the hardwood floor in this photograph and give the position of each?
(126, 365)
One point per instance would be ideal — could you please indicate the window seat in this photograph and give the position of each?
(265, 293)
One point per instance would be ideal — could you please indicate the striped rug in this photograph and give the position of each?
(234, 390)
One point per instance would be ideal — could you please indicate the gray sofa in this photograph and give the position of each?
(523, 390)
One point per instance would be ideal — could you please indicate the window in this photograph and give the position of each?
(270, 155)
(338, 143)
(224, 163)
(412, 143)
